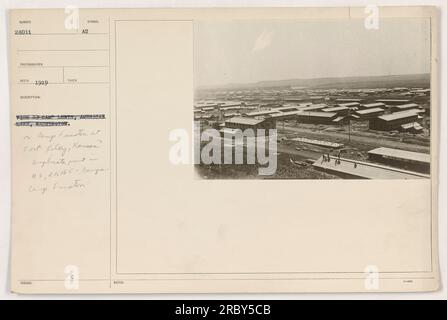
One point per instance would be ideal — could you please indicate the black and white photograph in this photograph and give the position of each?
(344, 99)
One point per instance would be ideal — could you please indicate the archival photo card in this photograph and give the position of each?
(224, 150)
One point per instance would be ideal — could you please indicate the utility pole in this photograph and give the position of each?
(349, 124)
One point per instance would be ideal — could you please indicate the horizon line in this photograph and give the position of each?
(303, 79)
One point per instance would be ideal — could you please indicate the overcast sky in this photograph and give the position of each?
(250, 51)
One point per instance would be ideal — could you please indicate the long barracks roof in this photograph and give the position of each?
(349, 104)
(286, 109)
(348, 100)
(317, 114)
(294, 98)
(392, 100)
(407, 106)
(373, 105)
(245, 121)
(314, 107)
(372, 110)
(415, 111)
(285, 114)
(401, 154)
(260, 113)
(398, 115)
(335, 109)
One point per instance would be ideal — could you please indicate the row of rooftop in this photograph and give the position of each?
(293, 89)
(403, 117)
(310, 94)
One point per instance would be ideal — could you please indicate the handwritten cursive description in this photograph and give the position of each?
(63, 159)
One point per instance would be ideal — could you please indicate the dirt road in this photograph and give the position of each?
(374, 142)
